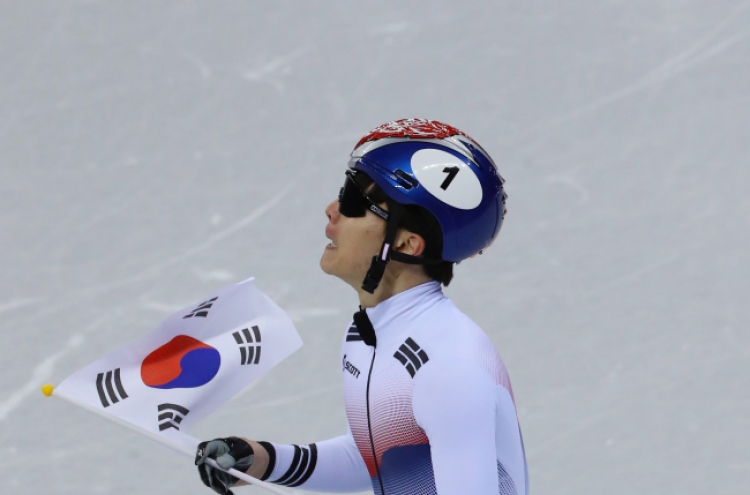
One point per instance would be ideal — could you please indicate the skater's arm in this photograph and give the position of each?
(455, 406)
(333, 465)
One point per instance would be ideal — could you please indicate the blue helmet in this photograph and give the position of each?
(436, 166)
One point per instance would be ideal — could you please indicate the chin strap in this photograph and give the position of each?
(379, 262)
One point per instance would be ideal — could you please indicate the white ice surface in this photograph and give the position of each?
(151, 152)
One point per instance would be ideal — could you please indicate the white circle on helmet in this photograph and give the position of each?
(447, 178)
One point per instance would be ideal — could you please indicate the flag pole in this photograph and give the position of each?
(49, 390)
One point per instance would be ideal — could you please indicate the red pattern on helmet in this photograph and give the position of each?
(412, 128)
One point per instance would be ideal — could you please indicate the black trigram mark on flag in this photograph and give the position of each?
(352, 335)
(202, 309)
(110, 389)
(411, 356)
(171, 415)
(303, 464)
(250, 346)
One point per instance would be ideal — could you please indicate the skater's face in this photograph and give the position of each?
(354, 241)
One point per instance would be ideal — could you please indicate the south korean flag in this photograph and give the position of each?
(195, 361)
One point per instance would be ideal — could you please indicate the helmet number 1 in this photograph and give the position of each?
(448, 178)
(451, 171)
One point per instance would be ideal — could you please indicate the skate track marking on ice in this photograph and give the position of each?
(208, 243)
(262, 73)
(41, 374)
(18, 303)
(693, 55)
(202, 66)
(43, 371)
(82, 295)
(604, 402)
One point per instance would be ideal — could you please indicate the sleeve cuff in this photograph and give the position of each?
(271, 459)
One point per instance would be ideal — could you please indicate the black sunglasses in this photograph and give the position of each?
(353, 202)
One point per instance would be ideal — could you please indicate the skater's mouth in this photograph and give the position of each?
(329, 235)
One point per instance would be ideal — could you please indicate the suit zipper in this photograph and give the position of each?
(369, 424)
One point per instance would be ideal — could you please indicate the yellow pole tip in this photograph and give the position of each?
(47, 389)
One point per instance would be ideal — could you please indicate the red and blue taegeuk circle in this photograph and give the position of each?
(183, 362)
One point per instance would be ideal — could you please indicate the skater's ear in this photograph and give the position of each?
(408, 242)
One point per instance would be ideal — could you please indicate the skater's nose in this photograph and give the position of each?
(332, 212)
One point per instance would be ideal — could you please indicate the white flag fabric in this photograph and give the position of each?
(195, 361)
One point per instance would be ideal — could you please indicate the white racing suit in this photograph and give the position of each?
(430, 410)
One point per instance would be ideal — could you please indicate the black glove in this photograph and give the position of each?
(228, 453)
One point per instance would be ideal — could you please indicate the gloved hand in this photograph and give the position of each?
(228, 453)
